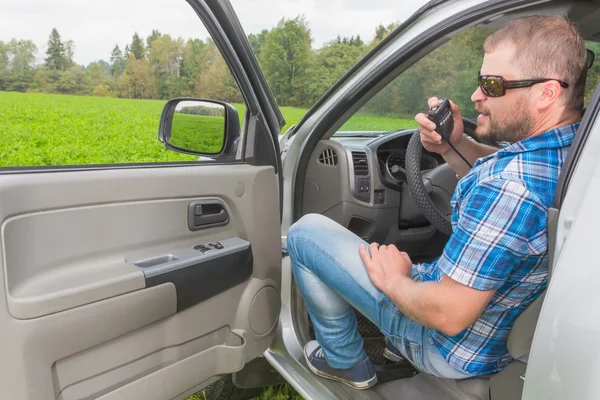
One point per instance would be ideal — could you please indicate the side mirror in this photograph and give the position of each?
(199, 126)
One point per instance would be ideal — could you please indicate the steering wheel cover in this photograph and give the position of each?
(417, 188)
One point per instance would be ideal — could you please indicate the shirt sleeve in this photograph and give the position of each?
(497, 224)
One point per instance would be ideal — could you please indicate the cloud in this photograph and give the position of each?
(96, 26)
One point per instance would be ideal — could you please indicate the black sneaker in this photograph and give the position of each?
(360, 376)
(392, 353)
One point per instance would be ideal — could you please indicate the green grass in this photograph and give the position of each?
(277, 392)
(44, 129)
(374, 123)
(49, 129)
(199, 133)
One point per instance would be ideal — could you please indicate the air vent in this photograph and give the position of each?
(361, 166)
(328, 157)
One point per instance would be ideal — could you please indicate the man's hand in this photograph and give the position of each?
(431, 140)
(385, 264)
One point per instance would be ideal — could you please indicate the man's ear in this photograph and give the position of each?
(549, 94)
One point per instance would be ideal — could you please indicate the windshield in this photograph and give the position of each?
(448, 71)
(303, 51)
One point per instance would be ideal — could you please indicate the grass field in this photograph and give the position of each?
(185, 129)
(46, 129)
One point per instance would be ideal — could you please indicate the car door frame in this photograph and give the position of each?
(263, 119)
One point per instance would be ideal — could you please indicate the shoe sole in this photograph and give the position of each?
(356, 385)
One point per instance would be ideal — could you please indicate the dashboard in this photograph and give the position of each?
(386, 150)
(358, 180)
(393, 164)
(391, 158)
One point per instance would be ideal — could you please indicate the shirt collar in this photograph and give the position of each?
(555, 138)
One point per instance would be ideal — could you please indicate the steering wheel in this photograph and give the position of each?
(433, 190)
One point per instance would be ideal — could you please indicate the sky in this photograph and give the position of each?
(96, 26)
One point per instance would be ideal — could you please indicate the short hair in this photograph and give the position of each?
(547, 47)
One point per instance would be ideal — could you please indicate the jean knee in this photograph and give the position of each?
(308, 223)
(304, 235)
(305, 227)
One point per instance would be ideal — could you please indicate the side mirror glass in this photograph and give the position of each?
(199, 126)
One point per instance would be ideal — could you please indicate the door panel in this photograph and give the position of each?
(105, 294)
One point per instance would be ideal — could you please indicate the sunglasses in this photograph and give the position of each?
(496, 86)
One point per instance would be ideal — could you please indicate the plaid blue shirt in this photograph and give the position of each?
(500, 241)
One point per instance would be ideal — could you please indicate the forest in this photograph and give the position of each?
(160, 66)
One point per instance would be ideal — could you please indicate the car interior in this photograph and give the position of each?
(359, 180)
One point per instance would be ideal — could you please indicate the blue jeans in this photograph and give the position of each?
(332, 279)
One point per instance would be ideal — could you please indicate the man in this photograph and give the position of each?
(451, 318)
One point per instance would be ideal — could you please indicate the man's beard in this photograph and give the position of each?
(511, 130)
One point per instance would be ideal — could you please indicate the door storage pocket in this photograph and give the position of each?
(220, 352)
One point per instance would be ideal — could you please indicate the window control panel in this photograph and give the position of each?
(203, 248)
(191, 257)
(199, 270)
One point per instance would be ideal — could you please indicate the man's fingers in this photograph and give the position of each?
(430, 137)
(382, 254)
(362, 250)
(390, 254)
(406, 257)
(433, 102)
(427, 129)
(424, 122)
(374, 249)
(455, 109)
(435, 138)
(394, 252)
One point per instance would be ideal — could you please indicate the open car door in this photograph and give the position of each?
(110, 292)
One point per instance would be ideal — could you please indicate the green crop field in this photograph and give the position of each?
(49, 129)
(186, 128)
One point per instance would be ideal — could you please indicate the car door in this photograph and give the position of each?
(108, 290)
(566, 333)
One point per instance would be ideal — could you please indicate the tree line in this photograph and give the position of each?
(161, 67)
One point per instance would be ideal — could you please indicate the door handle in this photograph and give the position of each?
(209, 219)
(204, 214)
